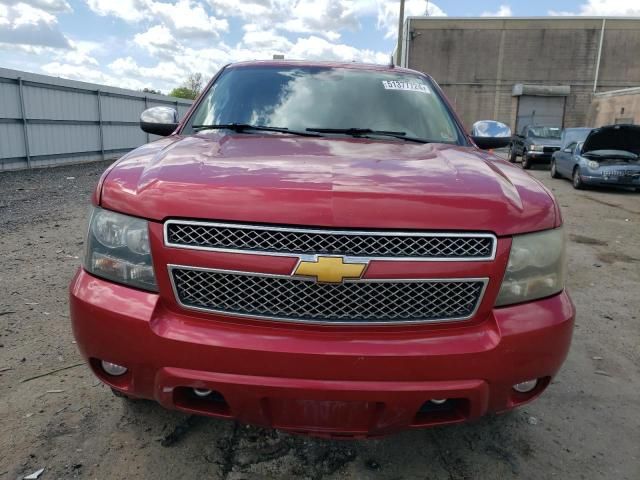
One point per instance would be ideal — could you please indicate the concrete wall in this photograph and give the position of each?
(47, 121)
(478, 61)
(622, 106)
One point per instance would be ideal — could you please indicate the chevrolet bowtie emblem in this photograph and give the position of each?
(330, 269)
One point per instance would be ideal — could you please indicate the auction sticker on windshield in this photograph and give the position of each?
(412, 87)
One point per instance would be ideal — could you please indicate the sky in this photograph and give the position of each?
(158, 43)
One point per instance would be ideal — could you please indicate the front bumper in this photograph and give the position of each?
(323, 381)
(539, 157)
(610, 181)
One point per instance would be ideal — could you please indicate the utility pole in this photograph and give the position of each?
(400, 33)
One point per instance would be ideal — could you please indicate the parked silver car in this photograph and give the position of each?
(607, 156)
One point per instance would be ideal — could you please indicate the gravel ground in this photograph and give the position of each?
(585, 426)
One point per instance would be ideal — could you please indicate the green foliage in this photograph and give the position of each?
(183, 92)
(190, 89)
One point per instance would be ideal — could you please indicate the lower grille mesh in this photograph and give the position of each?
(285, 298)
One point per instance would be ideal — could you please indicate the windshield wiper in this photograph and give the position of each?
(361, 132)
(244, 127)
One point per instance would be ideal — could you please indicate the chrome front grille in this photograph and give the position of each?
(281, 297)
(299, 241)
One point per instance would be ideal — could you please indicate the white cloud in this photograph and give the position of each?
(166, 71)
(321, 17)
(51, 6)
(157, 40)
(127, 10)
(185, 18)
(94, 75)
(503, 11)
(178, 37)
(317, 48)
(388, 11)
(26, 25)
(188, 19)
(266, 40)
(556, 13)
(255, 45)
(80, 54)
(622, 8)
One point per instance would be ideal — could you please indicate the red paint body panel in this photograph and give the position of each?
(267, 372)
(328, 380)
(327, 182)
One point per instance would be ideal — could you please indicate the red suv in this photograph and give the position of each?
(322, 248)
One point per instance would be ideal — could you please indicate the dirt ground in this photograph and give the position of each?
(586, 426)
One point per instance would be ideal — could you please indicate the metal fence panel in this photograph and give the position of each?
(121, 109)
(46, 121)
(59, 138)
(11, 140)
(122, 136)
(9, 102)
(54, 104)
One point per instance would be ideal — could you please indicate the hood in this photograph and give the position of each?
(308, 181)
(614, 137)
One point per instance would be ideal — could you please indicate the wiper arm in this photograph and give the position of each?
(360, 132)
(243, 127)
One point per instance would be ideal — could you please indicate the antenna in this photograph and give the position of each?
(428, 14)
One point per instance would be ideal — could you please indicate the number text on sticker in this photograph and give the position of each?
(412, 87)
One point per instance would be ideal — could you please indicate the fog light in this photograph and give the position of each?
(525, 387)
(438, 401)
(201, 392)
(113, 368)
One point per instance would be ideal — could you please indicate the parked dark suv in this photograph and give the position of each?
(535, 144)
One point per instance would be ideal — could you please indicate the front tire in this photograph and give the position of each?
(512, 154)
(526, 162)
(577, 182)
(553, 171)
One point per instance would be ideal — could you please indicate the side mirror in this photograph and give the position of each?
(489, 134)
(159, 120)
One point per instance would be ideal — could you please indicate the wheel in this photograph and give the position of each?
(512, 154)
(554, 172)
(526, 162)
(578, 184)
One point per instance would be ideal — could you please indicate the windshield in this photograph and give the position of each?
(300, 98)
(546, 132)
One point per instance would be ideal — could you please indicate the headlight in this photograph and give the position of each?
(536, 267)
(118, 249)
(536, 148)
(593, 165)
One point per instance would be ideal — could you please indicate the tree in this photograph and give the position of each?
(151, 90)
(182, 92)
(194, 83)
(190, 88)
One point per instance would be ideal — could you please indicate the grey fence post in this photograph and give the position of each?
(25, 130)
(146, 105)
(99, 95)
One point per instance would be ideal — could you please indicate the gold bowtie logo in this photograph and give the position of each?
(330, 269)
